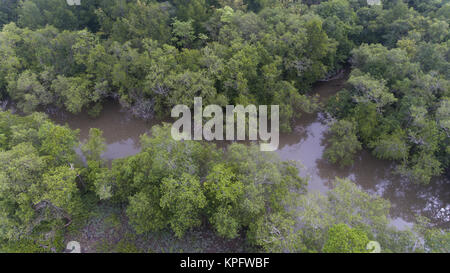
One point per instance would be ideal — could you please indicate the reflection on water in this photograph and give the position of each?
(304, 145)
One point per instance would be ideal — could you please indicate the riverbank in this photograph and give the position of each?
(305, 145)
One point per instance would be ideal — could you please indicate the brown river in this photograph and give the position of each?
(305, 145)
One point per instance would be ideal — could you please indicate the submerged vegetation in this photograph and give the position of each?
(151, 55)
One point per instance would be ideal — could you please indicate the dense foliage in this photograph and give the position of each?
(151, 55)
(240, 191)
(174, 184)
(399, 106)
(38, 184)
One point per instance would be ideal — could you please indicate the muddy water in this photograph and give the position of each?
(304, 145)
(121, 130)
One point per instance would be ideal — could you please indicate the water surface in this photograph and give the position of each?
(305, 145)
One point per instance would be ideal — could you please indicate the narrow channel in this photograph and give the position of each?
(304, 145)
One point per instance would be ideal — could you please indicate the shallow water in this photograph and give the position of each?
(305, 145)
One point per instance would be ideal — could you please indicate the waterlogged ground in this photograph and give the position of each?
(305, 145)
